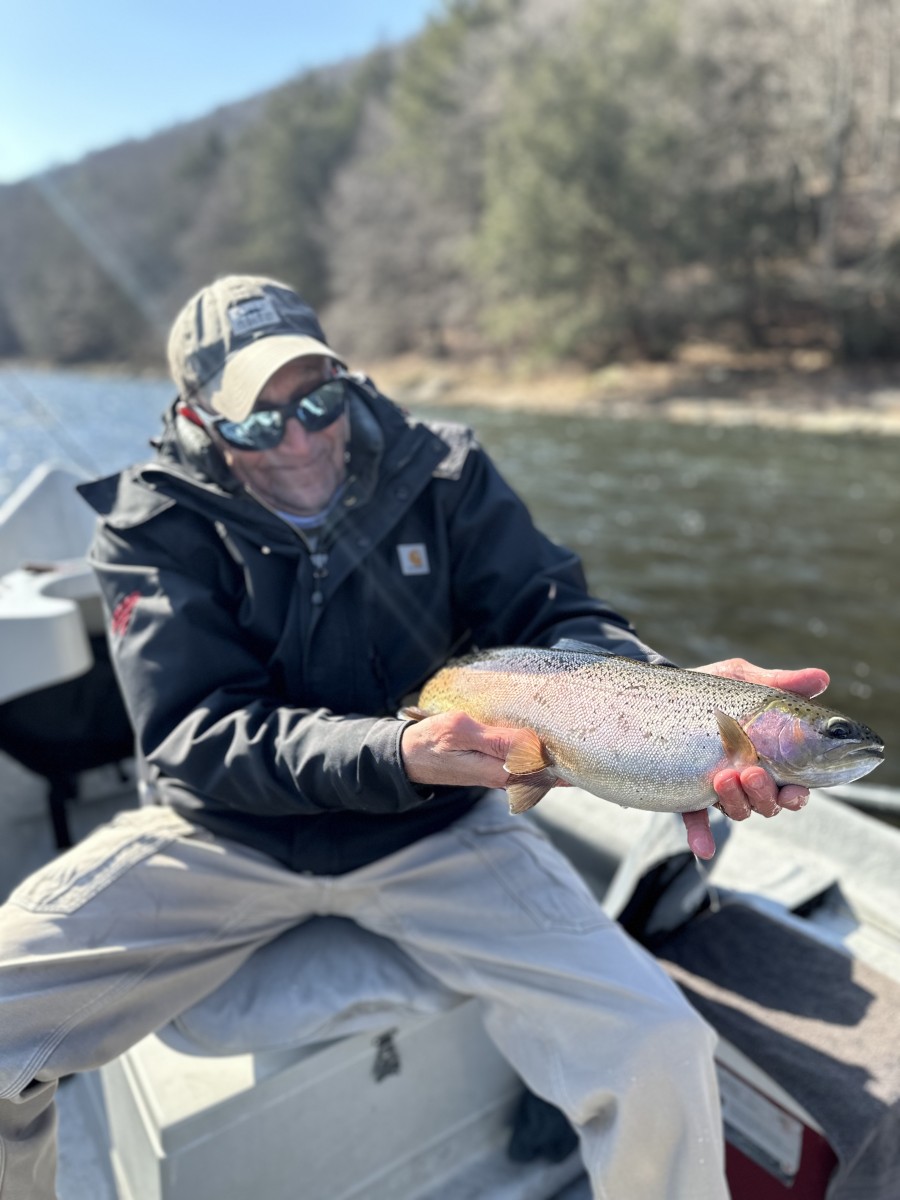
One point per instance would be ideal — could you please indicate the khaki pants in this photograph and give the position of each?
(149, 914)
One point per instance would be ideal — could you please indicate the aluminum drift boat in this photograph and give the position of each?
(824, 881)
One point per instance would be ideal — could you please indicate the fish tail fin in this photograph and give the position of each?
(530, 774)
(412, 712)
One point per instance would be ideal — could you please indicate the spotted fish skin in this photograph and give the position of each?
(642, 735)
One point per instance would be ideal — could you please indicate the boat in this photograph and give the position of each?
(60, 709)
(788, 941)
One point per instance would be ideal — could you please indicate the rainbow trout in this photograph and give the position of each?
(640, 735)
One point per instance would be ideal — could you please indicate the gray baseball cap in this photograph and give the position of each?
(231, 338)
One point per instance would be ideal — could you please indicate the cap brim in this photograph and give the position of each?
(235, 389)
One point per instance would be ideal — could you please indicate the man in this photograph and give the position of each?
(298, 558)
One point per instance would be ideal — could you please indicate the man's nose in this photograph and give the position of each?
(296, 435)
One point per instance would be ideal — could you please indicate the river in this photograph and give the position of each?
(782, 547)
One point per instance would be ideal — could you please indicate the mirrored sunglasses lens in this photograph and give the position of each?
(322, 407)
(260, 431)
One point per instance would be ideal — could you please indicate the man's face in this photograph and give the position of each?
(302, 473)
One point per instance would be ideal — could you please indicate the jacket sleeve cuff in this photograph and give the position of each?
(382, 784)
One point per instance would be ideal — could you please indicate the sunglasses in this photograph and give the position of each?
(265, 429)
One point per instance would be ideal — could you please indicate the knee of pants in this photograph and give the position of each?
(680, 1038)
(662, 1067)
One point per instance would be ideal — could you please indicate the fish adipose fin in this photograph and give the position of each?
(740, 750)
(530, 774)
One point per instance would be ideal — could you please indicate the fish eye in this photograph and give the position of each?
(837, 727)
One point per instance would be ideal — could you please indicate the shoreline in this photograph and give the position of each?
(719, 390)
(705, 385)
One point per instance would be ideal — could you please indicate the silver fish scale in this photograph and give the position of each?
(640, 735)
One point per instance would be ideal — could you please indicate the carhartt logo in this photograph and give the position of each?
(123, 613)
(250, 315)
(413, 558)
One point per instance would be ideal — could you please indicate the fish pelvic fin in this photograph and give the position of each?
(524, 791)
(740, 750)
(530, 774)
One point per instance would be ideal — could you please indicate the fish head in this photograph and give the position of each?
(805, 743)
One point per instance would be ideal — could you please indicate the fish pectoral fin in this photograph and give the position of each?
(524, 791)
(740, 750)
(528, 755)
(412, 712)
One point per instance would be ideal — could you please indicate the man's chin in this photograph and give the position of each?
(299, 506)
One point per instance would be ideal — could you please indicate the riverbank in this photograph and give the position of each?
(706, 385)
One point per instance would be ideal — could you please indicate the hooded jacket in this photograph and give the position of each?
(263, 672)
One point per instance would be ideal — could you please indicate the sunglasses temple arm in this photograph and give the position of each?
(190, 414)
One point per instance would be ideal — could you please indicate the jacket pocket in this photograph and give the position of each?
(70, 881)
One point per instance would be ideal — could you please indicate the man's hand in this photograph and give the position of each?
(452, 748)
(751, 789)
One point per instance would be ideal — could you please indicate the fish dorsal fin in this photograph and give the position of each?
(574, 646)
(740, 750)
(531, 776)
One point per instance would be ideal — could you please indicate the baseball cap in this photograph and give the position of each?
(233, 335)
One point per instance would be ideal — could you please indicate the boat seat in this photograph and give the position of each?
(64, 729)
(329, 1064)
(325, 979)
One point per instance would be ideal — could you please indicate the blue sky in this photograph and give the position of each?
(77, 75)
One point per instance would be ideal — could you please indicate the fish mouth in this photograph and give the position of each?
(851, 765)
(873, 750)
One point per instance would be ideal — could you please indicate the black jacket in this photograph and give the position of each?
(263, 683)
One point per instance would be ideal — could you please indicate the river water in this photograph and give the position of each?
(782, 547)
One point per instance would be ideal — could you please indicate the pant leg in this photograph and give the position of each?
(149, 915)
(588, 1019)
(108, 943)
(28, 1143)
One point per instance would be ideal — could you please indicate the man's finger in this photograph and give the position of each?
(793, 797)
(809, 681)
(699, 835)
(761, 790)
(732, 797)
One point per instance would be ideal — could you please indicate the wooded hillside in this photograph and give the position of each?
(569, 180)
